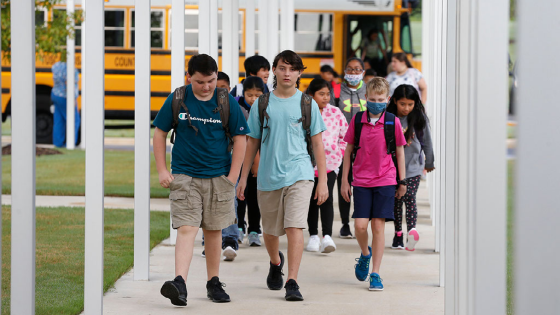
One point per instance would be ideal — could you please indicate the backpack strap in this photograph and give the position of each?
(179, 96)
(263, 104)
(306, 101)
(390, 139)
(357, 134)
(239, 90)
(223, 108)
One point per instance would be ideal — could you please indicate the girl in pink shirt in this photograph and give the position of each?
(333, 141)
(374, 178)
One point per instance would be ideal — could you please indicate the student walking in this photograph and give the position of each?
(333, 141)
(352, 100)
(255, 66)
(290, 126)
(253, 88)
(406, 104)
(203, 171)
(58, 97)
(374, 176)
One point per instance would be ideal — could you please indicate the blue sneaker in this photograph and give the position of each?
(362, 267)
(375, 282)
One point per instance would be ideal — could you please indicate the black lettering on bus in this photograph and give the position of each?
(124, 62)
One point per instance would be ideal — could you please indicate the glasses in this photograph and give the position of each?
(356, 70)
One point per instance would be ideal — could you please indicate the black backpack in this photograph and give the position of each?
(179, 97)
(306, 101)
(390, 139)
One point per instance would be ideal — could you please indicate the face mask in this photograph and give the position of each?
(376, 108)
(353, 79)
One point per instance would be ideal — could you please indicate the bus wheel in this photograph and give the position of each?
(44, 127)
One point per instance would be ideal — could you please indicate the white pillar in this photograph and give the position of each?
(263, 29)
(234, 75)
(95, 87)
(227, 40)
(287, 25)
(177, 64)
(204, 27)
(23, 159)
(435, 100)
(249, 28)
(214, 30)
(272, 32)
(83, 78)
(536, 210)
(142, 115)
(70, 83)
(477, 267)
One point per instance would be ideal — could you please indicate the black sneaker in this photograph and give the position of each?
(274, 280)
(292, 291)
(229, 249)
(215, 291)
(345, 231)
(176, 291)
(398, 242)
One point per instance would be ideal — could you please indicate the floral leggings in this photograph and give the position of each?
(409, 200)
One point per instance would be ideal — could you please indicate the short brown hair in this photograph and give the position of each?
(291, 58)
(377, 85)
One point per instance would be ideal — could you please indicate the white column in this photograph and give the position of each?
(479, 187)
(287, 25)
(23, 159)
(70, 83)
(263, 29)
(435, 100)
(227, 40)
(83, 78)
(142, 117)
(204, 27)
(234, 75)
(177, 63)
(214, 30)
(272, 32)
(249, 28)
(95, 88)
(536, 210)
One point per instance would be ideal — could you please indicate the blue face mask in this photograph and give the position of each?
(376, 108)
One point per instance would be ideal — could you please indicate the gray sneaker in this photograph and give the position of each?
(254, 239)
(241, 236)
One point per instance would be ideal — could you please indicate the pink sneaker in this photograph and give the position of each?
(413, 238)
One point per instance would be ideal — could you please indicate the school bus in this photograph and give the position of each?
(322, 36)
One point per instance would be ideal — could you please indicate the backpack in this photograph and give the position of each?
(305, 120)
(179, 96)
(390, 139)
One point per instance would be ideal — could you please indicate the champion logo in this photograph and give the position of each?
(184, 116)
(241, 128)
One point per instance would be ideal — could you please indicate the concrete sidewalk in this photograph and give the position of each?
(327, 281)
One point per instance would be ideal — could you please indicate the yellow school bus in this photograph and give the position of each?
(322, 36)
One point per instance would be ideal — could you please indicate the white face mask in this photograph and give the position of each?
(353, 79)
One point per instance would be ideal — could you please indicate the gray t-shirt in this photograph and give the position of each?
(414, 159)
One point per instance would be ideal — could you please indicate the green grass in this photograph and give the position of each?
(60, 255)
(64, 174)
(510, 247)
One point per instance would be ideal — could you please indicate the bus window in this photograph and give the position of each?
(114, 28)
(406, 37)
(313, 32)
(40, 17)
(77, 27)
(157, 28)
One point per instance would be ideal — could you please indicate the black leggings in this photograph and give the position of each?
(409, 200)
(343, 205)
(327, 210)
(252, 205)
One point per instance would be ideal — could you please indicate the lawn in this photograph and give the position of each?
(60, 255)
(64, 174)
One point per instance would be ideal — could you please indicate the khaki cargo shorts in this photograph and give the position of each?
(202, 202)
(285, 208)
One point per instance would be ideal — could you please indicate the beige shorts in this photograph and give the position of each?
(285, 208)
(202, 202)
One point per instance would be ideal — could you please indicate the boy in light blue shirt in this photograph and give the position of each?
(285, 176)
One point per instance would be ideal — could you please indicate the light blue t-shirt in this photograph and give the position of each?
(284, 157)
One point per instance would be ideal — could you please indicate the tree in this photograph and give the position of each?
(50, 37)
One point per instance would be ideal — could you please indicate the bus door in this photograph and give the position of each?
(370, 38)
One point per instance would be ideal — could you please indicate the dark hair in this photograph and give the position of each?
(316, 85)
(327, 68)
(253, 83)
(374, 30)
(223, 76)
(255, 63)
(400, 56)
(370, 72)
(202, 64)
(357, 59)
(417, 119)
(291, 58)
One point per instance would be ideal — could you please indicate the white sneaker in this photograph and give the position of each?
(327, 245)
(229, 253)
(413, 238)
(313, 244)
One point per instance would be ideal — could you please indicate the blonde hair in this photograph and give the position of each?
(377, 85)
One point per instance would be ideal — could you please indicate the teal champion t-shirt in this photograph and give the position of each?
(284, 157)
(203, 154)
